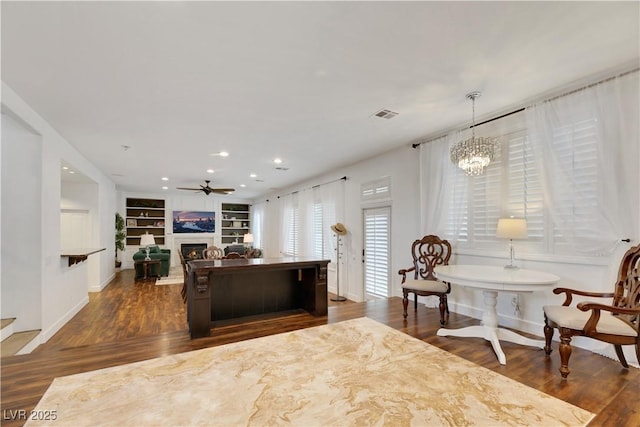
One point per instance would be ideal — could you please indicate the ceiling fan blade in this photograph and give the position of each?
(223, 190)
(191, 189)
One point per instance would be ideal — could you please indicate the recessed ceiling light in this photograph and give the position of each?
(242, 185)
(221, 154)
(65, 168)
(164, 178)
(165, 188)
(210, 171)
(277, 161)
(71, 172)
(253, 175)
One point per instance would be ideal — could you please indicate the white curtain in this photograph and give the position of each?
(289, 237)
(591, 217)
(443, 189)
(331, 196)
(305, 226)
(257, 224)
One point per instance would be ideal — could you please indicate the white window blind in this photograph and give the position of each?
(510, 186)
(376, 251)
(293, 232)
(378, 189)
(524, 189)
(577, 152)
(318, 230)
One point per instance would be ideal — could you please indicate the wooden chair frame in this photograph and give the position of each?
(212, 252)
(625, 306)
(428, 252)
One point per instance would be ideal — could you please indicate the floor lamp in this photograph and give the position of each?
(340, 230)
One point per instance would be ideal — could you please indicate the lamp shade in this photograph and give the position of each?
(247, 238)
(147, 239)
(512, 228)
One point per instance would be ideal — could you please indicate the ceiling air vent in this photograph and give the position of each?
(385, 114)
(280, 168)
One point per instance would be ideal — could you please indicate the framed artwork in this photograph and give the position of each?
(194, 222)
(132, 222)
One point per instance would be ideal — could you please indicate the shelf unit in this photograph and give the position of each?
(145, 216)
(236, 222)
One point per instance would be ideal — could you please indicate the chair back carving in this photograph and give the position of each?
(627, 291)
(429, 252)
(212, 252)
(234, 255)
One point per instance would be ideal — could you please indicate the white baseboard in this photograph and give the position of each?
(7, 331)
(51, 331)
(103, 285)
(31, 345)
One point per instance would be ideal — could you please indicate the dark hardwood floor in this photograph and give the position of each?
(133, 321)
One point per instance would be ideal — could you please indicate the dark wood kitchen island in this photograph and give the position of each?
(219, 290)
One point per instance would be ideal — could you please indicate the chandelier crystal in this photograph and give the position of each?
(473, 155)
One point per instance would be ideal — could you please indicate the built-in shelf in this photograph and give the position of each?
(77, 255)
(145, 216)
(236, 222)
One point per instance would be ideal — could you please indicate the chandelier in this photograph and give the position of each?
(473, 155)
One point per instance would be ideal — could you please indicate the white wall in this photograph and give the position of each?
(63, 289)
(21, 224)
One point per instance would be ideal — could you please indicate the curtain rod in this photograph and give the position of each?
(570, 92)
(344, 178)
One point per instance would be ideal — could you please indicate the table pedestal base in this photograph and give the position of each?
(490, 331)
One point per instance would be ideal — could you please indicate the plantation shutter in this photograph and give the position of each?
(524, 189)
(292, 242)
(576, 146)
(376, 251)
(318, 230)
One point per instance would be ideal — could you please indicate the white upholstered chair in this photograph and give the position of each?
(616, 323)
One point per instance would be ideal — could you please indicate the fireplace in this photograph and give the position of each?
(192, 250)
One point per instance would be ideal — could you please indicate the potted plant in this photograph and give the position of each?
(120, 236)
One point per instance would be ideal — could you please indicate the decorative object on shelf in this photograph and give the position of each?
(236, 221)
(340, 231)
(473, 155)
(143, 214)
(512, 228)
(147, 240)
(206, 189)
(119, 238)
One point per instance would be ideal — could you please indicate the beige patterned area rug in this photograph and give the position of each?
(357, 373)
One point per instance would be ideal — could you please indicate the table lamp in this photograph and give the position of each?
(147, 240)
(511, 228)
(247, 239)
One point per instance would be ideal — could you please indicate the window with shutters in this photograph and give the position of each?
(376, 190)
(512, 186)
(577, 154)
(376, 251)
(292, 246)
(318, 231)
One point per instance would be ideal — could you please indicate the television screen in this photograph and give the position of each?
(194, 222)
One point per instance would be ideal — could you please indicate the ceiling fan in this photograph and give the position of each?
(208, 190)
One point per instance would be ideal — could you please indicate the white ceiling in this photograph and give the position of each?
(178, 81)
